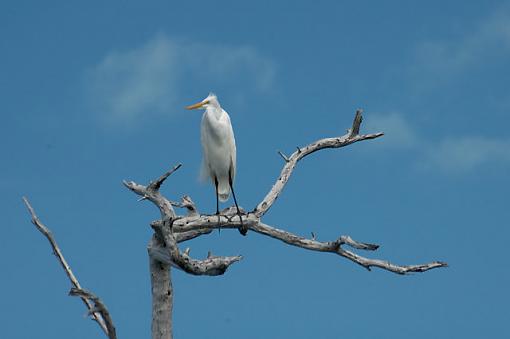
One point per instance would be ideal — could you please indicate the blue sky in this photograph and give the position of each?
(93, 93)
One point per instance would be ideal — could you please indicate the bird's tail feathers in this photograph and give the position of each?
(223, 192)
(223, 187)
(204, 175)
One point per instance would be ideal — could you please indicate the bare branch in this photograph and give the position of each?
(99, 306)
(186, 203)
(345, 239)
(67, 269)
(209, 266)
(336, 247)
(356, 124)
(185, 236)
(210, 222)
(368, 263)
(157, 184)
(152, 193)
(206, 222)
(351, 137)
(189, 205)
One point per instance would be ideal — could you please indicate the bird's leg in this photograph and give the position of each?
(243, 229)
(217, 203)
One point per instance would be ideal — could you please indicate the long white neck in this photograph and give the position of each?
(214, 111)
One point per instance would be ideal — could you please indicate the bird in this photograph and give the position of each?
(219, 151)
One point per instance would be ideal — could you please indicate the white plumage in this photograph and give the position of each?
(219, 149)
(219, 146)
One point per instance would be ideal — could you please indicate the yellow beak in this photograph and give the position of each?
(197, 105)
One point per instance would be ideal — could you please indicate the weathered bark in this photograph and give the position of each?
(162, 295)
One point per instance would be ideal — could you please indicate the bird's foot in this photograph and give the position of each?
(243, 229)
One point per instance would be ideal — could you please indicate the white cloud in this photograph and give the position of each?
(398, 132)
(467, 153)
(148, 80)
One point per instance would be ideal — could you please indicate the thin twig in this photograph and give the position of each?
(157, 184)
(284, 157)
(58, 253)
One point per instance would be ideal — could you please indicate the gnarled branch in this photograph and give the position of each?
(164, 230)
(209, 266)
(99, 306)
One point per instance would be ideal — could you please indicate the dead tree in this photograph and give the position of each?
(172, 229)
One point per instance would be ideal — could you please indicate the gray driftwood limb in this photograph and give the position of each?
(96, 314)
(208, 223)
(336, 248)
(350, 137)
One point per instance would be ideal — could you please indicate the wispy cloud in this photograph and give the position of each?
(148, 80)
(465, 62)
(466, 153)
(483, 42)
(398, 132)
(447, 154)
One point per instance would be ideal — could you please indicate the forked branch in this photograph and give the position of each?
(164, 230)
(99, 306)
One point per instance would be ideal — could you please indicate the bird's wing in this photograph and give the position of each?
(219, 150)
(231, 146)
(204, 168)
(204, 172)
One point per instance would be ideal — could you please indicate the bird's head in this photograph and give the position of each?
(210, 101)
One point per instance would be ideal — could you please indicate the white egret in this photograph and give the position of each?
(219, 148)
